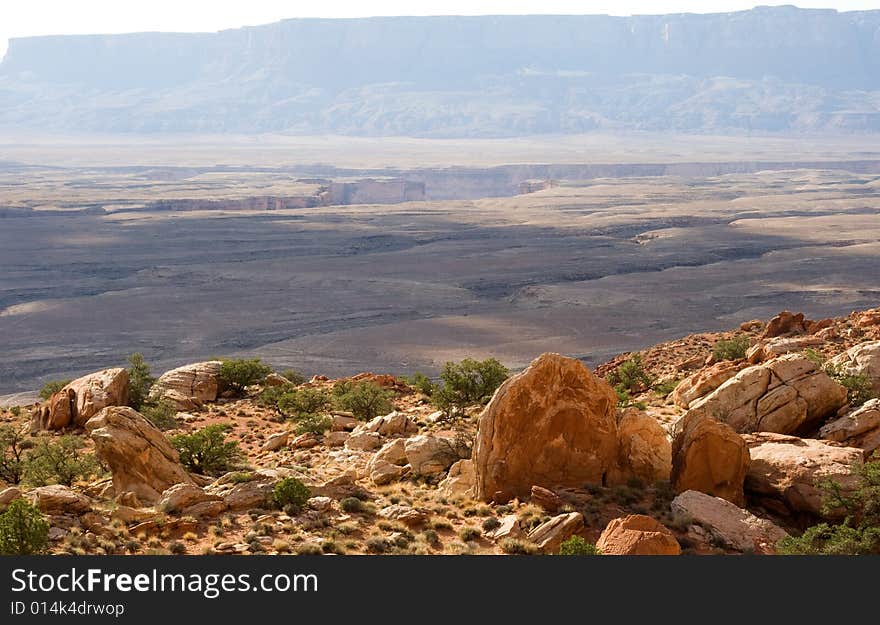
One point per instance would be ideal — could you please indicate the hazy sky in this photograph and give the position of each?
(20, 18)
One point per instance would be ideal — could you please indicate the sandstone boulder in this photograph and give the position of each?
(708, 456)
(729, 525)
(185, 499)
(8, 495)
(190, 386)
(637, 535)
(459, 480)
(785, 324)
(765, 350)
(789, 469)
(276, 441)
(430, 455)
(140, 458)
(547, 499)
(862, 359)
(551, 534)
(386, 465)
(57, 499)
(407, 515)
(644, 451)
(509, 528)
(393, 424)
(859, 428)
(553, 424)
(364, 441)
(786, 395)
(704, 382)
(82, 399)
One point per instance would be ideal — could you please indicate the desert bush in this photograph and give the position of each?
(351, 504)
(236, 375)
(207, 451)
(11, 454)
(160, 413)
(577, 546)
(421, 383)
(467, 383)
(140, 381)
(59, 462)
(365, 400)
(23, 530)
(859, 533)
(298, 403)
(630, 376)
(468, 534)
(290, 492)
(52, 387)
(858, 385)
(293, 376)
(731, 349)
(313, 424)
(814, 357)
(664, 388)
(517, 547)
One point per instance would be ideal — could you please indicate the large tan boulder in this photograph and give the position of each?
(459, 480)
(644, 451)
(190, 386)
(190, 500)
(859, 428)
(387, 464)
(790, 469)
(637, 535)
(553, 424)
(785, 324)
(708, 456)
(862, 359)
(728, 524)
(430, 455)
(58, 499)
(704, 382)
(82, 399)
(140, 458)
(786, 395)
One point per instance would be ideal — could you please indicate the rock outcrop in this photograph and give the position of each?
(790, 469)
(140, 458)
(190, 386)
(704, 382)
(785, 324)
(708, 456)
(728, 524)
(787, 395)
(553, 424)
(82, 399)
(860, 428)
(644, 451)
(431, 455)
(57, 499)
(637, 535)
(862, 359)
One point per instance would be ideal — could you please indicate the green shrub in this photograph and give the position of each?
(236, 375)
(299, 403)
(351, 504)
(859, 533)
(467, 383)
(365, 400)
(11, 454)
(290, 492)
(630, 376)
(625, 400)
(814, 357)
(23, 530)
(517, 547)
(52, 387)
(139, 381)
(15, 411)
(160, 413)
(313, 424)
(59, 462)
(293, 376)
(207, 451)
(421, 383)
(665, 388)
(468, 534)
(577, 546)
(858, 385)
(731, 349)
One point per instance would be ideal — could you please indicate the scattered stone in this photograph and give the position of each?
(139, 456)
(405, 514)
(129, 515)
(637, 535)
(551, 534)
(364, 441)
(729, 525)
(547, 499)
(336, 439)
(509, 528)
(305, 441)
(276, 441)
(708, 456)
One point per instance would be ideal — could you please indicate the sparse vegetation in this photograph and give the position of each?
(52, 387)
(290, 492)
(293, 376)
(365, 400)
(517, 547)
(731, 349)
(11, 453)
(313, 424)
(59, 461)
(467, 383)
(160, 413)
(422, 383)
(628, 378)
(303, 402)
(23, 530)
(140, 381)
(665, 387)
(577, 546)
(207, 451)
(858, 385)
(236, 375)
(351, 504)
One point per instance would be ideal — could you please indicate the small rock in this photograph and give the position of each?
(276, 441)
(637, 535)
(365, 441)
(509, 528)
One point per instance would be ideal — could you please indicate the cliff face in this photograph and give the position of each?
(768, 68)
